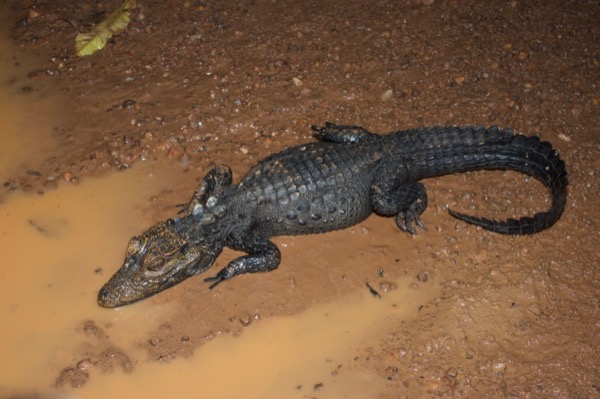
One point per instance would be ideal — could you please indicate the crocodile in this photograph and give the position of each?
(333, 183)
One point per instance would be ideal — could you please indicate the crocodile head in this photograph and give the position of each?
(156, 260)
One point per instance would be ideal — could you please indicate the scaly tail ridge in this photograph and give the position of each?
(538, 159)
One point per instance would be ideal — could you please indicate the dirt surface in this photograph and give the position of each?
(198, 83)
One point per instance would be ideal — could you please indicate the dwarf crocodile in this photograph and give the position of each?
(332, 183)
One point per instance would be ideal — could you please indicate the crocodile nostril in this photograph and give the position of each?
(102, 294)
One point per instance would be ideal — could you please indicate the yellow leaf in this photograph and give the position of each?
(113, 25)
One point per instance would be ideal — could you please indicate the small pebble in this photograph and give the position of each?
(245, 320)
(387, 95)
(387, 286)
(564, 137)
(422, 277)
(334, 373)
(85, 364)
(391, 372)
(480, 256)
(460, 225)
(498, 368)
(452, 372)
(154, 341)
(72, 377)
(128, 104)
(91, 330)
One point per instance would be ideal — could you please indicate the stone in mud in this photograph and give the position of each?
(387, 286)
(71, 377)
(111, 356)
(129, 104)
(91, 330)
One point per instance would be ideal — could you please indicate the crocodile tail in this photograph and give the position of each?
(533, 157)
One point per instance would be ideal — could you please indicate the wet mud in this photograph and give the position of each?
(94, 150)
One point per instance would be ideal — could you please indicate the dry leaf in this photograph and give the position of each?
(113, 25)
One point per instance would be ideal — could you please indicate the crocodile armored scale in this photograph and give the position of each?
(330, 184)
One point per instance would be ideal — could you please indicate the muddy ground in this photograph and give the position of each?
(203, 82)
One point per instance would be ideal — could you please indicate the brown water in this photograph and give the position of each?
(52, 246)
(280, 358)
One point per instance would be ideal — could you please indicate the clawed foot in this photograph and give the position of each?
(408, 221)
(224, 274)
(215, 280)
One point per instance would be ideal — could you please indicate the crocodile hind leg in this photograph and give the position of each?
(406, 202)
(263, 256)
(392, 195)
(212, 185)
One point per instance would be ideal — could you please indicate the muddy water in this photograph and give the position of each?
(57, 250)
(54, 248)
(293, 357)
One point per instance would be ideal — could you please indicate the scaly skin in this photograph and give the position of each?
(323, 186)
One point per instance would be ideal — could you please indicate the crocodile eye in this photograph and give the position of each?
(153, 264)
(135, 246)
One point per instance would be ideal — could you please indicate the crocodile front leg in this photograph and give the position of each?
(263, 256)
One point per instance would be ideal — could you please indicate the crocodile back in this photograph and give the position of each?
(312, 188)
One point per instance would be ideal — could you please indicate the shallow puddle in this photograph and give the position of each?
(54, 247)
(57, 250)
(304, 356)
